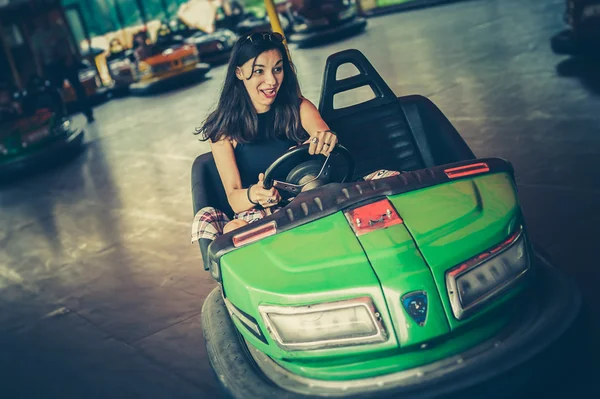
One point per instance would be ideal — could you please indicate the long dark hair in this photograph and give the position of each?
(235, 117)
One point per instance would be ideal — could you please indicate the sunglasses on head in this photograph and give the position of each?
(258, 37)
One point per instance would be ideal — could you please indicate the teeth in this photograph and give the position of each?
(269, 92)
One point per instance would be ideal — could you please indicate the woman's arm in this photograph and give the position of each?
(322, 139)
(237, 196)
(230, 176)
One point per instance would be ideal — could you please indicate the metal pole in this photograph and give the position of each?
(122, 35)
(11, 60)
(273, 17)
(142, 10)
(165, 7)
(276, 27)
(73, 45)
(275, 23)
(119, 14)
(36, 57)
(84, 26)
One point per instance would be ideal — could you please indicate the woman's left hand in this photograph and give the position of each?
(322, 142)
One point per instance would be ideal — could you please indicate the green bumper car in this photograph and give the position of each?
(38, 137)
(416, 285)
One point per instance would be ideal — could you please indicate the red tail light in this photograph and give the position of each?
(467, 170)
(258, 233)
(371, 217)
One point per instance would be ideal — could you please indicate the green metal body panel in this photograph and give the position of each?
(11, 139)
(401, 269)
(324, 261)
(32, 149)
(318, 262)
(453, 222)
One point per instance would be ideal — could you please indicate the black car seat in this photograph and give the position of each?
(207, 190)
(387, 132)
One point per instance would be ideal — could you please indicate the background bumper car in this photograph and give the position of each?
(39, 135)
(213, 48)
(168, 63)
(312, 22)
(121, 66)
(583, 35)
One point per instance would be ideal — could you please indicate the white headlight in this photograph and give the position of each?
(317, 22)
(118, 64)
(144, 68)
(485, 276)
(347, 13)
(65, 125)
(344, 323)
(87, 74)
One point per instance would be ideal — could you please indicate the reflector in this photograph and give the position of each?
(255, 234)
(371, 217)
(467, 170)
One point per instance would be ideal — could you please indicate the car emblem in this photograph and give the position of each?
(415, 304)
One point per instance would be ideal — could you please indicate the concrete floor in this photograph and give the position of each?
(100, 289)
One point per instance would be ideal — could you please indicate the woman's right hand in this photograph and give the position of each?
(266, 198)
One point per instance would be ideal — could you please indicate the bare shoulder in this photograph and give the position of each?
(224, 142)
(222, 146)
(224, 156)
(310, 117)
(307, 105)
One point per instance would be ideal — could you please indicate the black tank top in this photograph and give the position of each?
(254, 158)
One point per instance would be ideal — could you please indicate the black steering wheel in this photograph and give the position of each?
(305, 171)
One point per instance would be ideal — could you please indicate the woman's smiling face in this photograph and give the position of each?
(266, 77)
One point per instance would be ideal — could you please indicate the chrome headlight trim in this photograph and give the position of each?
(380, 335)
(452, 275)
(246, 320)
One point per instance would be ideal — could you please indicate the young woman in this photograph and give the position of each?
(259, 116)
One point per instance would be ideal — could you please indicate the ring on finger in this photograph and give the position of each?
(314, 140)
